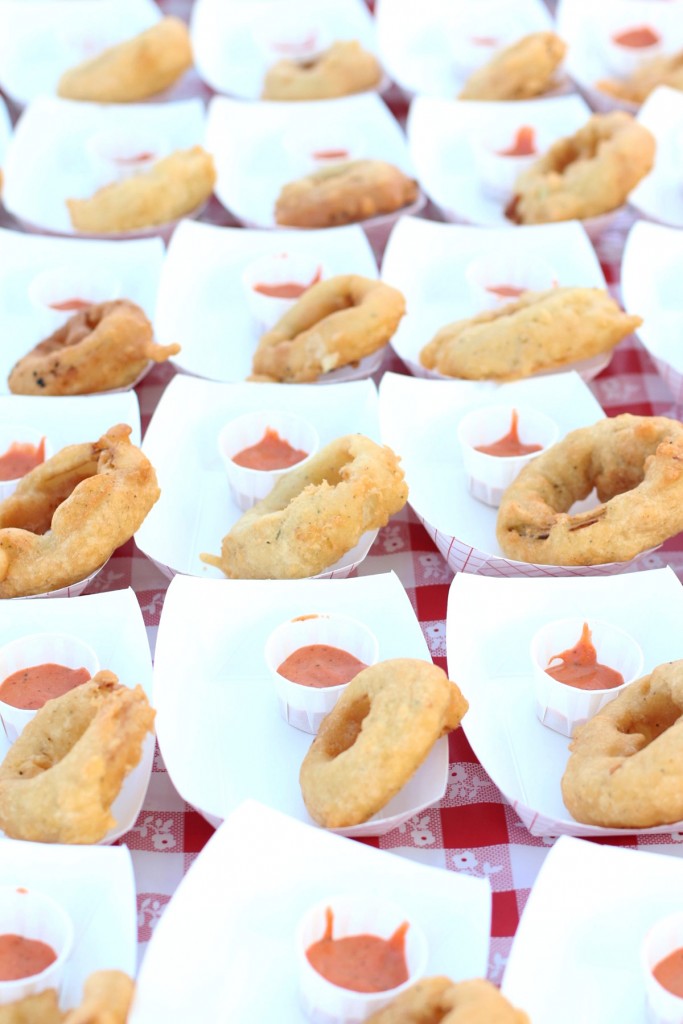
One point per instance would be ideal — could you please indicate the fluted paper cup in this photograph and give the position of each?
(275, 269)
(661, 940)
(68, 285)
(33, 915)
(11, 433)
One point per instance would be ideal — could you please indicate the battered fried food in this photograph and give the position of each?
(518, 72)
(442, 1001)
(635, 463)
(538, 332)
(70, 513)
(626, 763)
(172, 188)
(342, 69)
(315, 513)
(133, 70)
(585, 174)
(343, 194)
(663, 70)
(334, 323)
(380, 731)
(61, 776)
(107, 998)
(103, 347)
(39, 1009)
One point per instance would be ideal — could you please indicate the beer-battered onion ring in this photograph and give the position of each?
(134, 69)
(585, 174)
(519, 72)
(380, 731)
(666, 69)
(61, 776)
(334, 323)
(101, 348)
(344, 68)
(344, 194)
(442, 1001)
(68, 515)
(635, 463)
(626, 764)
(315, 513)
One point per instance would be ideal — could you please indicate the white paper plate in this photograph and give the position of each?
(202, 304)
(591, 906)
(229, 743)
(196, 510)
(488, 634)
(41, 39)
(226, 49)
(46, 159)
(246, 140)
(650, 276)
(427, 261)
(464, 529)
(659, 195)
(135, 265)
(96, 887)
(241, 902)
(418, 52)
(439, 133)
(584, 25)
(112, 624)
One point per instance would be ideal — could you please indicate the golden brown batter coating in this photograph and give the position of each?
(343, 69)
(442, 1001)
(344, 194)
(585, 174)
(518, 72)
(663, 70)
(133, 70)
(538, 332)
(172, 188)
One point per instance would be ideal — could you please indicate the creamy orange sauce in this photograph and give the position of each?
(636, 38)
(271, 452)
(19, 458)
(506, 291)
(669, 972)
(361, 963)
(70, 305)
(21, 958)
(30, 688)
(138, 158)
(320, 665)
(510, 445)
(580, 666)
(524, 143)
(330, 154)
(287, 289)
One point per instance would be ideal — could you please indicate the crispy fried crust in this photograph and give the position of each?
(342, 69)
(103, 347)
(315, 513)
(69, 514)
(626, 763)
(442, 1001)
(107, 998)
(663, 70)
(133, 70)
(172, 188)
(636, 465)
(518, 72)
(38, 1009)
(540, 331)
(343, 194)
(62, 774)
(335, 322)
(585, 174)
(381, 730)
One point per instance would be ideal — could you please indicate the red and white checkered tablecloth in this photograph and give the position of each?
(473, 830)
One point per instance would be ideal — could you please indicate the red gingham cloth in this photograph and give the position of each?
(473, 830)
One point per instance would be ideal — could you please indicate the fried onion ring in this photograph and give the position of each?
(585, 174)
(315, 513)
(69, 514)
(341, 70)
(61, 776)
(343, 194)
(107, 998)
(663, 70)
(518, 72)
(42, 1008)
(442, 1001)
(380, 731)
(626, 763)
(133, 70)
(635, 463)
(334, 323)
(103, 347)
(538, 332)
(172, 188)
